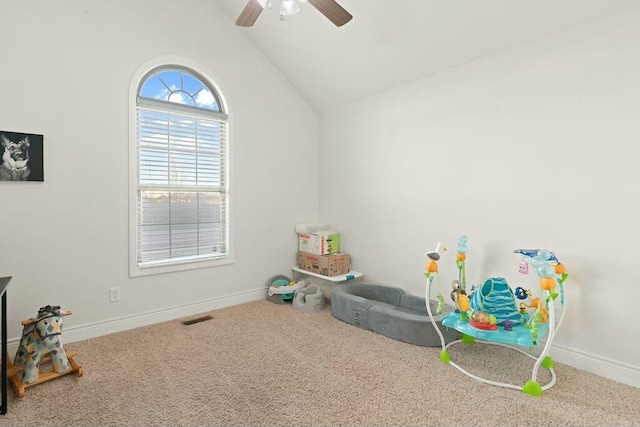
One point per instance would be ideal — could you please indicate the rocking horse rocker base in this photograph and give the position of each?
(13, 373)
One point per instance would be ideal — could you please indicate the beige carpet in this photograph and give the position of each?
(266, 364)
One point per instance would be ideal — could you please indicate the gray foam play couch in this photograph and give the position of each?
(388, 311)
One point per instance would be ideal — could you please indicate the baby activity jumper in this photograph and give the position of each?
(494, 313)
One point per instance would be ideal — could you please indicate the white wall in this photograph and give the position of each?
(65, 70)
(536, 146)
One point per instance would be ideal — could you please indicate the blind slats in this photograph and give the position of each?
(182, 201)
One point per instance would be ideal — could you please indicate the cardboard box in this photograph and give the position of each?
(327, 265)
(319, 243)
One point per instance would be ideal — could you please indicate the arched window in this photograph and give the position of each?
(181, 180)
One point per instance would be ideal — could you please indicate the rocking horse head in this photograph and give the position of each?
(48, 324)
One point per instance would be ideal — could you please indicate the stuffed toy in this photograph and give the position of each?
(41, 338)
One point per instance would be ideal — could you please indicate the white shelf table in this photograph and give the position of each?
(351, 275)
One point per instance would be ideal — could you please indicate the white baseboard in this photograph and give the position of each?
(611, 369)
(93, 330)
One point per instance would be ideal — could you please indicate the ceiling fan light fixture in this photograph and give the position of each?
(289, 7)
(329, 8)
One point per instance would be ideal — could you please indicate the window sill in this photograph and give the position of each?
(136, 271)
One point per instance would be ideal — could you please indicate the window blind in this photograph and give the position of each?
(181, 189)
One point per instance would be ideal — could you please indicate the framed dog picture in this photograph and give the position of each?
(22, 156)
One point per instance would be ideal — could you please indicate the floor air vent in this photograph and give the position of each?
(196, 320)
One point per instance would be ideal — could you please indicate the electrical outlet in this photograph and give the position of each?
(114, 294)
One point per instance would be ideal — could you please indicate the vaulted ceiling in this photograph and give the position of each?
(392, 42)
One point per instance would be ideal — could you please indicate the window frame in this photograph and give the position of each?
(138, 78)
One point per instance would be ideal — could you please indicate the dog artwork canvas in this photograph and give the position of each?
(22, 156)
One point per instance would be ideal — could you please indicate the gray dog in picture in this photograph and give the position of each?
(15, 159)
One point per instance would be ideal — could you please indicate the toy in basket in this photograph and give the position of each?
(39, 345)
(281, 289)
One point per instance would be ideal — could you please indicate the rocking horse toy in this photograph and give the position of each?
(41, 344)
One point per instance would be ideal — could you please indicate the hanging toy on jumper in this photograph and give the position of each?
(523, 266)
(456, 293)
(432, 271)
(461, 256)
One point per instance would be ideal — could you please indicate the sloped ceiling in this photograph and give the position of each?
(392, 42)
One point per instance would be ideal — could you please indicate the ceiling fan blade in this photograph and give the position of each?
(249, 14)
(332, 10)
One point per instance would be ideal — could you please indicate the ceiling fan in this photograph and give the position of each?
(329, 8)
